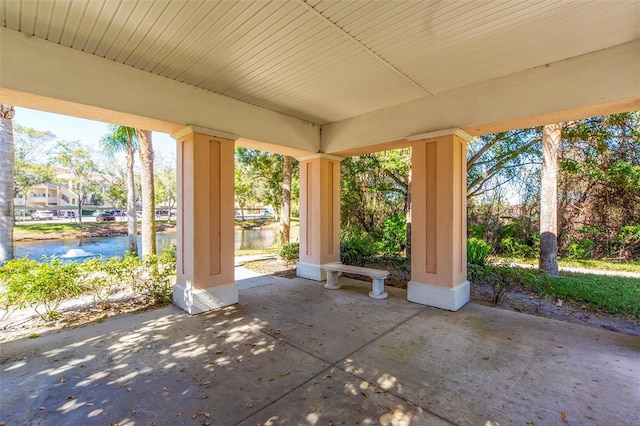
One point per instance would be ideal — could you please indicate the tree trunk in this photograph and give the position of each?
(80, 209)
(132, 228)
(7, 157)
(407, 249)
(551, 135)
(145, 150)
(285, 216)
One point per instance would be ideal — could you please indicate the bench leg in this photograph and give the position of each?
(377, 292)
(332, 280)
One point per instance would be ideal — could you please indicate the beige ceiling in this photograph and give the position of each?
(326, 61)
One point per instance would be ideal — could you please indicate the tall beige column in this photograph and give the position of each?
(439, 220)
(205, 222)
(319, 214)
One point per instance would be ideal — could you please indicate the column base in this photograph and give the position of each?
(196, 301)
(311, 271)
(447, 298)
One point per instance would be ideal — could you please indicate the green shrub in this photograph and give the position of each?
(394, 233)
(582, 249)
(99, 277)
(43, 286)
(396, 264)
(512, 247)
(290, 252)
(477, 251)
(357, 247)
(15, 278)
(477, 231)
(151, 276)
(503, 278)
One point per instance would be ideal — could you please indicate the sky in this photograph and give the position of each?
(87, 131)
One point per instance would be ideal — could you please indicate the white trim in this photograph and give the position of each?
(190, 128)
(437, 296)
(311, 271)
(438, 133)
(196, 301)
(320, 155)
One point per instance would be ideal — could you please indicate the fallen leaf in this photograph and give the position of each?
(129, 389)
(217, 352)
(564, 416)
(207, 414)
(284, 373)
(485, 358)
(63, 380)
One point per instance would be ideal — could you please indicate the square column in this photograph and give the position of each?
(205, 222)
(439, 220)
(319, 214)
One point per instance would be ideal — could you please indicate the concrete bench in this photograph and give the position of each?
(378, 275)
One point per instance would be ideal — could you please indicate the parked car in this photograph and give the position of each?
(42, 215)
(105, 217)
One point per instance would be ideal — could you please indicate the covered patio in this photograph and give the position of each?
(292, 352)
(321, 80)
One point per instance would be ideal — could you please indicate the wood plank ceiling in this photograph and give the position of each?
(324, 61)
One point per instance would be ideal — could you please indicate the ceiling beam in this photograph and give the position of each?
(42, 75)
(599, 83)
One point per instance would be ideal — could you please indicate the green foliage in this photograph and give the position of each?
(373, 187)
(258, 177)
(290, 252)
(477, 251)
(154, 276)
(477, 231)
(506, 157)
(503, 278)
(397, 265)
(357, 247)
(513, 247)
(45, 285)
(394, 233)
(612, 294)
(582, 249)
(615, 295)
(15, 278)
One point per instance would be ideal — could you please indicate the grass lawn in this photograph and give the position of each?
(611, 294)
(62, 227)
(616, 295)
(255, 252)
(605, 265)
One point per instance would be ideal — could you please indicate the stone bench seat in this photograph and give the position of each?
(378, 275)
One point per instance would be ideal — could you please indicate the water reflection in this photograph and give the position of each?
(79, 249)
(246, 239)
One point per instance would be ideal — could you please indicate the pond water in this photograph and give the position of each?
(80, 249)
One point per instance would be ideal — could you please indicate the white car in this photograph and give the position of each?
(42, 215)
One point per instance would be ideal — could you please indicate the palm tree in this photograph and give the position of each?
(285, 216)
(145, 151)
(7, 156)
(124, 139)
(551, 135)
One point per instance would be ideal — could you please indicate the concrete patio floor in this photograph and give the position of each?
(293, 352)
